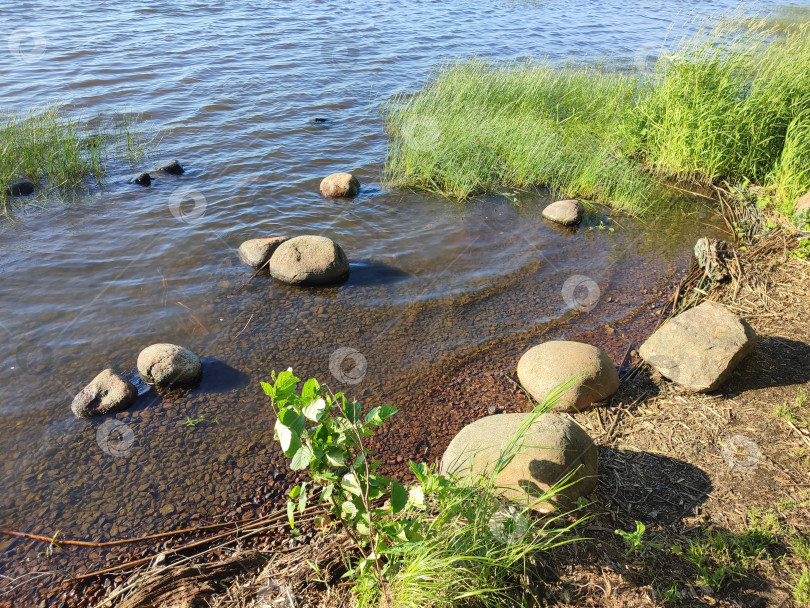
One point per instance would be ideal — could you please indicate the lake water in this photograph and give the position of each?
(236, 89)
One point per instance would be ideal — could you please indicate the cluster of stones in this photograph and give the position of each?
(165, 366)
(307, 260)
(697, 349)
(303, 260)
(169, 167)
(25, 187)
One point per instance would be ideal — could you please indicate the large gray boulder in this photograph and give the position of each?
(544, 453)
(546, 366)
(169, 366)
(567, 212)
(340, 184)
(309, 260)
(107, 393)
(256, 252)
(700, 348)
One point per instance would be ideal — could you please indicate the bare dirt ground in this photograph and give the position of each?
(732, 467)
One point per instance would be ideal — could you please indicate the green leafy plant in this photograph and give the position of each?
(635, 540)
(436, 544)
(721, 557)
(326, 434)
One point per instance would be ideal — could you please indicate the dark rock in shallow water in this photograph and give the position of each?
(170, 166)
(142, 179)
(20, 187)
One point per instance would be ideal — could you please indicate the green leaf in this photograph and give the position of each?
(336, 456)
(349, 508)
(302, 501)
(386, 411)
(295, 492)
(419, 469)
(399, 496)
(314, 411)
(353, 411)
(373, 417)
(301, 459)
(268, 388)
(291, 513)
(327, 492)
(285, 384)
(350, 484)
(287, 438)
(292, 420)
(310, 389)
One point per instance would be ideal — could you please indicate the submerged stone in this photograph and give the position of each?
(257, 252)
(340, 184)
(169, 366)
(568, 212)
(20, 187)
(309, 260)
(142, 179)
(107, 393)
(170, 166)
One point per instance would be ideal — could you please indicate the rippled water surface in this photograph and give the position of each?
(237, 88)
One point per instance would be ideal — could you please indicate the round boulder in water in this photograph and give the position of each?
(256, 252)
(170, 166)
(309, 260)
(567, 212)
(546, 366)
(142, 179)
(107, 393)
(543, 452)
(340, 184)
(169, 366)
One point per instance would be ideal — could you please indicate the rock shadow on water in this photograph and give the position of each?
(219, 377)
(650, 488)
(375, 273)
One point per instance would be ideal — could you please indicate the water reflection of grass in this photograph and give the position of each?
(729, 105)
(57, 151)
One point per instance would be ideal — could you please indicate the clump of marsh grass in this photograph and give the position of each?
(477, 124)
(58, 151)
(727, 106)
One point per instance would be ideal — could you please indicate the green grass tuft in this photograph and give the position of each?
(729, 105)
(58, 151)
